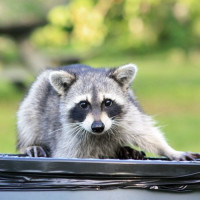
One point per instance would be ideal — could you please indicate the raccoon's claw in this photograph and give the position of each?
(129, 153)
(36, 151)
(188, 156)
(195, 155)
(185, 156)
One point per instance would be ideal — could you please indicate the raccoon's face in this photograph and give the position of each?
(94, 99)
(95, 112)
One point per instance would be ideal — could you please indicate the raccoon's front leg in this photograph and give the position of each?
(155, 143)
(150, 139)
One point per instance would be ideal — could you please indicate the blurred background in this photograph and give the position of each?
(161, 37)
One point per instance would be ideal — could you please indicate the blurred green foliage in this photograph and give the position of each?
(8, 50)
(141, 25)
(78, 24)
(14, 12)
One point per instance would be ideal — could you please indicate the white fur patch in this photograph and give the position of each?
(86, 124)
(114, 97)
(77, 99)
(106, 120)
(84, 97)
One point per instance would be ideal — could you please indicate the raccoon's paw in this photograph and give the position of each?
(196, 155)
(184, 156)
(129, 153)
(36, 151)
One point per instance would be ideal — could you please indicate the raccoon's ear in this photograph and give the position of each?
(61, 80)
(125, 74)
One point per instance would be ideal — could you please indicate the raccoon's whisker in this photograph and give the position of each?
(79, 130)
(128, 130)
(74, 135)
(85, 132)
(76, 130)
(111, 131)
(56, 130)
(71, 131)
(126, 121)
(109, 134)
(114, 130)
(72, 125)
(115, 117)
(116, 126)
(119, 120)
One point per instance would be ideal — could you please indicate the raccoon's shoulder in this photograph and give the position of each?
(41, 87)
(133, 99)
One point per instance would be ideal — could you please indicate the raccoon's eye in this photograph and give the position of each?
(108, 102)
(84, 104)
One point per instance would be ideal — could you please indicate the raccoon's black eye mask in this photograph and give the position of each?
(112, 108)
(80, 111)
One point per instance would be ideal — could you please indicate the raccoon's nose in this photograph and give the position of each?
(97, 127)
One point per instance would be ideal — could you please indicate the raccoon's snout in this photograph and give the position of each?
(97, 126)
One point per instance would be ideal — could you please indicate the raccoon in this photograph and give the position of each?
(77, 111)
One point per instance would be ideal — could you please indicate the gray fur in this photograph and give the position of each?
(44, 120)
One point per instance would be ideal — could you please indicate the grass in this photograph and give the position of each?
(9, 101)
(8, 127)
(166, 88)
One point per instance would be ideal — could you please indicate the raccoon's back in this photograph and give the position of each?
(81, 70)
(38, 116)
